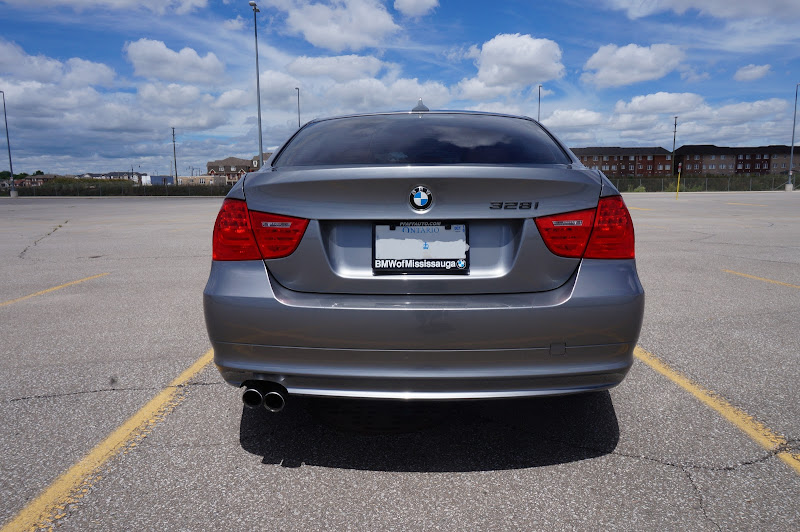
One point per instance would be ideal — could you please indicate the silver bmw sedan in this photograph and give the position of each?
(420, 256)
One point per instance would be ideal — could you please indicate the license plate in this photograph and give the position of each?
(420, 247)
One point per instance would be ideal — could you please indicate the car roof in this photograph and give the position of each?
(433, 112)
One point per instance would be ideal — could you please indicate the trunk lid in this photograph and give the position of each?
(496, 203)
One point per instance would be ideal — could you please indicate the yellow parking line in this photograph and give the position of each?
(756, 430)
(748, 204)
(59, 287)
(72, 485)
(761, 279)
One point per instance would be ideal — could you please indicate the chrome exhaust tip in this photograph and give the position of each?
(252, 398)
(274, 401)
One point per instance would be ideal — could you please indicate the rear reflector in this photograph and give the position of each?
(241, 234)
(566, 234)
(602, 233)
(277, 236)
(233, 239)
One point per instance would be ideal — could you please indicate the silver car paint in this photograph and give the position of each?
(531, 323)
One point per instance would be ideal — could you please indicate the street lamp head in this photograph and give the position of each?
(253, 4)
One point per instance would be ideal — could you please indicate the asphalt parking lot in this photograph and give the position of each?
(113, 419)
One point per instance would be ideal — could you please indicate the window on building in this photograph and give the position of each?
(594, 158)
(669, 157)
(741, 157)
(766, 166)
(605, 167)
(783, 165)
(713, 157)
(255, 163)
(221, 168)
(758, 166)
(696, 157)
(696, 166)
(630, 167)
(747, 156)
(605, 157)
(774, 155)
(202, 181)
(233, 168)
(722, 157)
(747, 167)
(180, 181)
(649, 166)
(631, 157)
(739, 166)
(766, 156)
(660, 166)
(722, 167)
(649, 157)
(712, 166)
(614, 167)
(640, 167)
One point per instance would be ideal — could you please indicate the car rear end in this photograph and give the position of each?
(424, 256)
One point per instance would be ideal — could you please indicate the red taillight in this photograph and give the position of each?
(241, 234)
(233, 239)
(602, 233)
(566, 234)
(277, 236)
(612, 237)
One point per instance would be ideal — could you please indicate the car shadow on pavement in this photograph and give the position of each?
(433, 437)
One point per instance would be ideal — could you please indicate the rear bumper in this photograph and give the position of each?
(579, 337)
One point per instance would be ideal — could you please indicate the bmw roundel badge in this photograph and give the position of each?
(421, 198)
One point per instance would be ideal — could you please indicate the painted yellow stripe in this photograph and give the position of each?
(639, 209)
(72, 485)
(756, 430)
(748, 204)
(761, 279)
(59, 287)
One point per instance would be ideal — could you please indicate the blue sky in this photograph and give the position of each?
(97, 85)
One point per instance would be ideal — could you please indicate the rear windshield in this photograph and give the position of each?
(422, 139)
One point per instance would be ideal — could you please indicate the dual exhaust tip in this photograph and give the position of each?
(271, 397)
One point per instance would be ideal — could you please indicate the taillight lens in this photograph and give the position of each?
(602, 233)
(241, 234)
(566, 234)
(233, 239)
(612, 237)
(277, 236)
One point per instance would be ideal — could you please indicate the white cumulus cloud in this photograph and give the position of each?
(415, 8)
(340, 24)
(616, 66)
(510, 62)
(153, 60)
(660, 102)
(751, 72)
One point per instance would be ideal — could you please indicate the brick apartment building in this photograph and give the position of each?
(614, 161)
(233, 168)
(710, 159)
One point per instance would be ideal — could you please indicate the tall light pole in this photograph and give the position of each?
(539, 112)
(258, 87)
(674, 135)
(174, 157)
(8, 143)
(298, 106)
(790, 184)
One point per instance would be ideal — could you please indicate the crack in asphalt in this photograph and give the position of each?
(701, 498)
(35, 242)
(105, 390)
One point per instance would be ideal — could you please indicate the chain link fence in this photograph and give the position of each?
(78, 187)
(700, 183)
